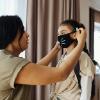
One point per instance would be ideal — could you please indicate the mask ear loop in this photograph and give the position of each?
(62, 51)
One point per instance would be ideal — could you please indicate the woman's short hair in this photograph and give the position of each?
(10, 26)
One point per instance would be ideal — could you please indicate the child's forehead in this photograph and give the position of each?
(65, 28)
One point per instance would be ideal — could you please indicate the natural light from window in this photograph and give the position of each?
(14, 7)
(97, 45)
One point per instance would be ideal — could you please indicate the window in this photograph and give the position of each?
(14, 7)
(97, 44)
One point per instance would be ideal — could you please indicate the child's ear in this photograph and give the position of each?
(73, 36)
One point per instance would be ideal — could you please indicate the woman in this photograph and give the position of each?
(77, 85)
(16, 73)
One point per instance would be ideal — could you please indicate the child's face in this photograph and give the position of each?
(66, 36)
(65, 29)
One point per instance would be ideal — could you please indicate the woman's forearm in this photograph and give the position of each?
(70, 60)
(50, 56)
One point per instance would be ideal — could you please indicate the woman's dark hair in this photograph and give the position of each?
(10, 26)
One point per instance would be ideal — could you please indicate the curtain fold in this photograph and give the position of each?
(31, 27)
(43, 19)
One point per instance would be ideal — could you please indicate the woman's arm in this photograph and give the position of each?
(50, 56)
(36, 74)
(86, 86)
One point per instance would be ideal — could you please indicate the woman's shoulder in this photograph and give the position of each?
(10, 61)
(18, 61)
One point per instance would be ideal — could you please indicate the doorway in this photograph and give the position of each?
(94, 39)
(94, 46)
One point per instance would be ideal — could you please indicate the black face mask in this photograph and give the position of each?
(65, 40)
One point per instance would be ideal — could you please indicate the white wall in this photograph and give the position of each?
(84, 15)
(14, 7)
(84, 12)
(95, 4)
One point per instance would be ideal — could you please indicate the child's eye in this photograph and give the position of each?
(64, 33)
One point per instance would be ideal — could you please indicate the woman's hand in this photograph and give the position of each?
(57, 45)
(51, 55)
(81, 35)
